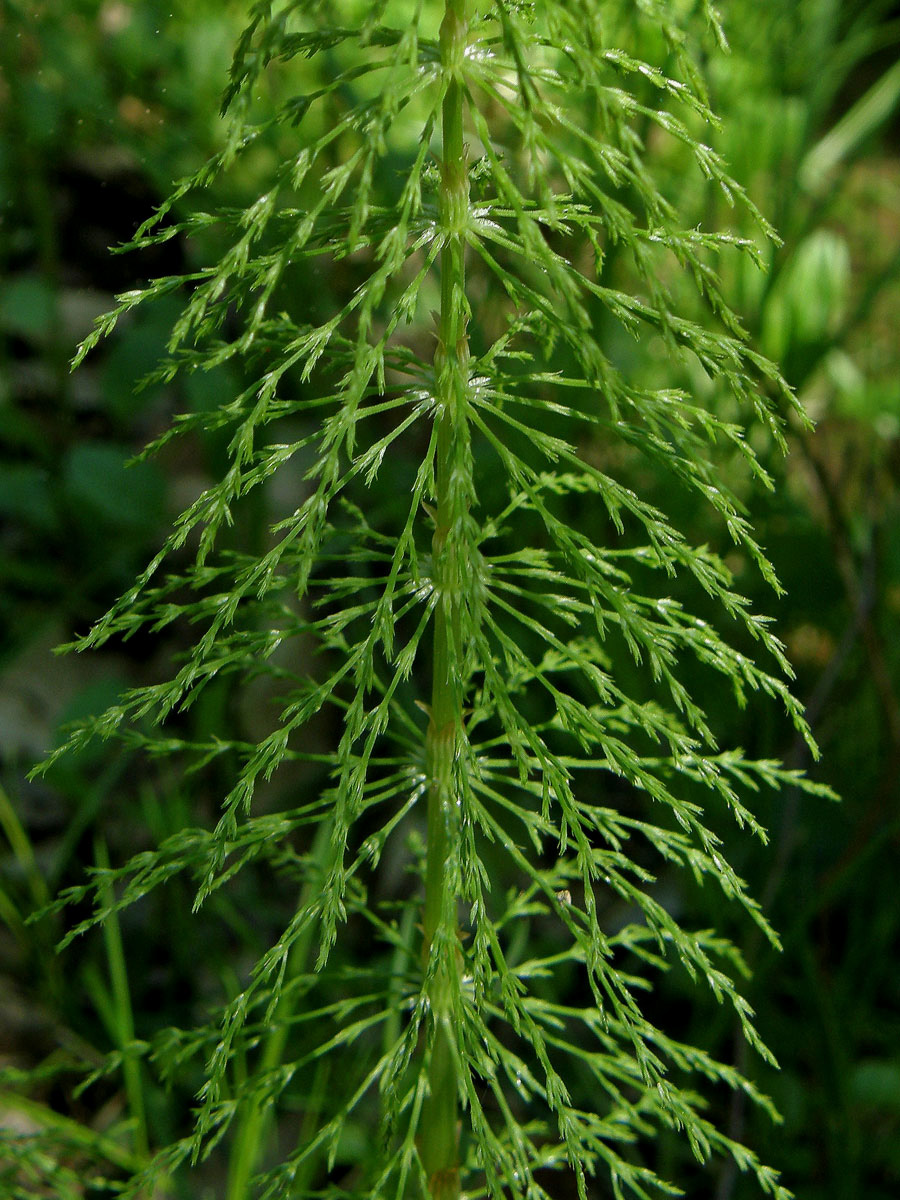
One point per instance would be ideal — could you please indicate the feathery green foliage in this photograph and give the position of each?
(515, 725)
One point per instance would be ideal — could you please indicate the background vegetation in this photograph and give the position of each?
(101, 106)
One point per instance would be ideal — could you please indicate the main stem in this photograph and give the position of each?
(439, 1139)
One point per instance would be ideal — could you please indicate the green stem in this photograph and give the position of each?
(439, 1137)
(122, 1011)
(255, 1118)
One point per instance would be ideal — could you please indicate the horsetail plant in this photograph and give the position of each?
(497, 620)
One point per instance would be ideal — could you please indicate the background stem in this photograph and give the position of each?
(255, 1121)
(121, 1011)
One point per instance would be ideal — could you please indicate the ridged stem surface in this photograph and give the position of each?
(439, 1141)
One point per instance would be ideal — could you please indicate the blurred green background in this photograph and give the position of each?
(102, 106)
